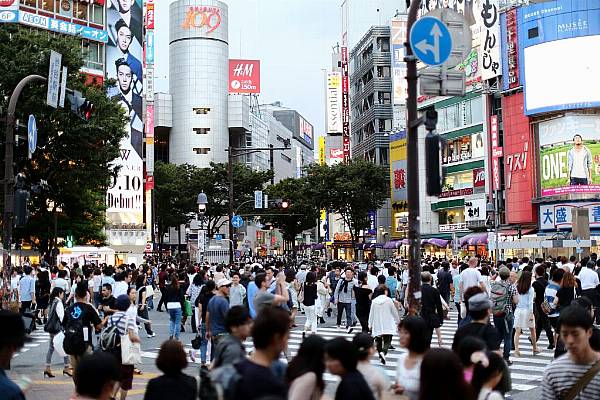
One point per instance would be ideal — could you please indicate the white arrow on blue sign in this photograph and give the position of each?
(237, 221)
(31, 135)
(431, 41)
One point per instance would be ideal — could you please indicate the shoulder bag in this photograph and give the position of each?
(582, 382)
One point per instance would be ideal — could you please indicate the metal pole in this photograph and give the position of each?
(271, 164)
(496, 224)
(414, 236)
(55, 237)
(9, 179)
(230, 178)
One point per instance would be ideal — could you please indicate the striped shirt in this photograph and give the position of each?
(550, 294)
(562, 374)
(123, 322)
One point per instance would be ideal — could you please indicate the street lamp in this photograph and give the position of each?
(492, 222)
(202, 201)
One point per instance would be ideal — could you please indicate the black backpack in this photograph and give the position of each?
(74, 343)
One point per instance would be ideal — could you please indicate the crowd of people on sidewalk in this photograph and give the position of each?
(94, 314)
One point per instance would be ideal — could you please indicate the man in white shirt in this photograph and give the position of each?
(122, 284)
(570, 264)
(372, 277)
(589, 281)
(471, 277)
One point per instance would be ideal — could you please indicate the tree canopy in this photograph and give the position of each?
(73, 155)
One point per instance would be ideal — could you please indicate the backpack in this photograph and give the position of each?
(110, 338)
(500, 296)
(220, 383)
(74, 343)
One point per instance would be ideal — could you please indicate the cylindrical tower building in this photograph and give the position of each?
(198, 82)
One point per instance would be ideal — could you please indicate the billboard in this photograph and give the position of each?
(345, 105)
(398, 39)
(9, 11)
(570, 155)
(336, 156)
(306, 130)
(334, 102)
(124, 51)
(322, 153)
(553, 216)
(550, 33)
(398, 166)
(488, 15)
(244, 76)
(510, 50)
(60, 26)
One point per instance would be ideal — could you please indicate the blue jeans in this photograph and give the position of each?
(504, 326)
(150, 302)
(175, 315)
(203, 343)
(341, 307)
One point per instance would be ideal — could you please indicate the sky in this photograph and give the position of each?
(292, 38)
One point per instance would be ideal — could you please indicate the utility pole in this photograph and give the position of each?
(412, 167)
(272, 164)
(9, 179)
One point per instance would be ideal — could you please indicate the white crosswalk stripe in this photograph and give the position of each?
(37, 338)
(526, 371)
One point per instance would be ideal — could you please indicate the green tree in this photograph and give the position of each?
(351, 190)
(302, 213)
(74, 156)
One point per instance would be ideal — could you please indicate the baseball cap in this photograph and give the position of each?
(480, 302)
(223, 282)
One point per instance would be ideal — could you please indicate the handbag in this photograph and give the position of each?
(582, 382)
(131, 353)
(196, 342)
(301, 294)
(187, 308)
(57, 341)
(149, 291)
(53, 324)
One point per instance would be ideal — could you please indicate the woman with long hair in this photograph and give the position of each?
(487, 375)
(310, 295)
(142, 303)
(174, 299)
(412, 331)
(323, 294)
(363, 293)
(566, 293)
(341, 359)
(376, 378)
(56, 314)
(524, 318)
(304, 373)
(442, 377)
(42, 293)
(192, 292)
(201, 304)
(383, 320)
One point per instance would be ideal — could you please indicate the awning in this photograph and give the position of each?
(515, 232)
(437, 242)
(318, 246)
(474, 239)
(392, 244)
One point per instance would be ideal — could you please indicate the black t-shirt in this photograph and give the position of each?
(109, 302)
(353, 387)
(88, 315)
(539, 286)
(310, 294)
(203, 299)
(485, 332)
(565, 296)
(363, 302)
(444, 281)
(258, 382)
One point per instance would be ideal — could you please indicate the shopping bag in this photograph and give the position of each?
(187, 308)
(57, 341)
(131, 353)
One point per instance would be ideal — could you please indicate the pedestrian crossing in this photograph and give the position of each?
(526, 371)
(37, 338)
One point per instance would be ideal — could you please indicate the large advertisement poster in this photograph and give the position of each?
(570, 155)
(334, 102)
(398, 65)
(398, 158)
(124, 64)
(549, 33)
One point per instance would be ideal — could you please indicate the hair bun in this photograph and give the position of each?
(479, 357)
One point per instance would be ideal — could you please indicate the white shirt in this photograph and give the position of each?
(408, 378)
(372, 281)
(120, 288)
(62, 283)
(470, 277)
(588, 278)
(405, 277)
(578, 170)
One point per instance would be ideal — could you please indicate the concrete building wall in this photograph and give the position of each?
(198, 84)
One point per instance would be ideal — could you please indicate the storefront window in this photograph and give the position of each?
(452, 115)
(30, 3)
(96, 14)
(476, 105)
(46, 5)
(457, 150)
(452, 216)
(93, 55)
(80, 10)
(458, 181)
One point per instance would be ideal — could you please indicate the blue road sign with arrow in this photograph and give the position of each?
(431, 41)
(237, 221)
(31, 135)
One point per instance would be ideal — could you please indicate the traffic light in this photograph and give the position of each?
(69, 241)
(281, 204)
(434, 144)
(80, 105)
(21, 211)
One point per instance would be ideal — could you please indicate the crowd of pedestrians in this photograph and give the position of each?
(98, 311)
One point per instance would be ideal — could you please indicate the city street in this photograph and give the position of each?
(526, 372)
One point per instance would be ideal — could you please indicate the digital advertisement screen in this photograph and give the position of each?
(570, 155)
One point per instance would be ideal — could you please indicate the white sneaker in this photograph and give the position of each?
(151, 335)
